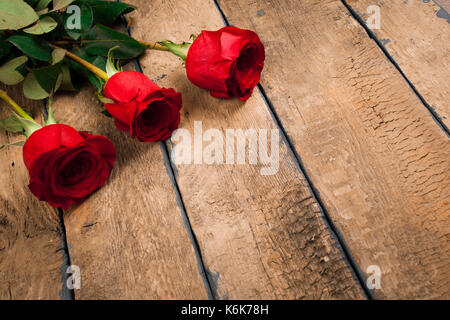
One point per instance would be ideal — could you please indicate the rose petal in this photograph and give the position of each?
(129, 85)
(49, 138)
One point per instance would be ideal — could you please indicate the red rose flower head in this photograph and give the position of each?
(148, 112)
(227, 62)
(65, 165)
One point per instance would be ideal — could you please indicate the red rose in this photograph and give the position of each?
(148, 112)
(227, 62)
(65, 165)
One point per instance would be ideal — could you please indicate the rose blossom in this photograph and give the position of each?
(227, 62)
(148, 112)
(65, 165)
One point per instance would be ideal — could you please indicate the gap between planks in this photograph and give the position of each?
(334, 231)
(66, 293)
(320, 117)
(374, 37)
(337, 245)
(331, 226)
(212, 294)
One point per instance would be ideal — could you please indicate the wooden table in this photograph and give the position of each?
(363, 180)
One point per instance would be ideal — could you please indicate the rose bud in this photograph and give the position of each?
(138, 105)
(227, 62)
(65, 165)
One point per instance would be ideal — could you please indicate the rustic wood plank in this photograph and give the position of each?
(380, 162)
(260, 236)
(30, 238)
(416, 34)
(128, 238)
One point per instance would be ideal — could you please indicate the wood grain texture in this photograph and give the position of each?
(128, 238)
(379, 161)
(262, 237)
(30, 238)
(417, 35)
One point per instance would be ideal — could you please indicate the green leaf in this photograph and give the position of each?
(58, 55)
(16, 123)
(47, 76)
(42, 5)
(66, 79)
(60, 4)
(28, 126)
(57, 84)
(11, 125)
(110, 67)
(106, 12)
(8, 72)
(16, 14)
(44, 25)
(43, 11)
(96, 81)
(32, 3)
(17, 143)
(32, 47)
(100, 39)
(97, 61)
(75, 28)
(5, 47)
(32, 89)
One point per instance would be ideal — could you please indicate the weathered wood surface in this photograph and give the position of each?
(260, 236)
(379, 161)
(30, 238)
(416, 34)
(370, 147)
(128, 238)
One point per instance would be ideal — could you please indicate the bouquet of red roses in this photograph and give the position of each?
(48, 50)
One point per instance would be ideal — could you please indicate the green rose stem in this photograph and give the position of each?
(154, 46)
(166, 46)
(95, 70)
(4, 96)
(179, 49)
(149, 45)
